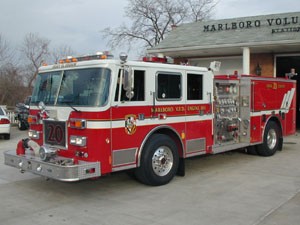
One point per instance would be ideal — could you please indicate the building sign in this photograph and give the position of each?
(285, 24)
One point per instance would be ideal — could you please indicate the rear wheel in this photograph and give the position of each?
(159, 161)
(271, 140)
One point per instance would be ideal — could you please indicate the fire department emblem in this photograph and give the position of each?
(130, 124)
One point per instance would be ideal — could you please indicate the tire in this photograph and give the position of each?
(159, 161)
(271, 140)
(6, 136)
(22, 125)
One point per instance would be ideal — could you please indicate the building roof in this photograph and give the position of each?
(275, 32)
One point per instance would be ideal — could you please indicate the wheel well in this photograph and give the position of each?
(175, 137)
(169, 131)
(277, 121)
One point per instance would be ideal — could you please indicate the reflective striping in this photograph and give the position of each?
(287, 100)
(146, 122)
(291, 96)
(98, 124)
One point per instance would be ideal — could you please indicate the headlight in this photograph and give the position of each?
(34, 134)
(78, 140)
(47, 153)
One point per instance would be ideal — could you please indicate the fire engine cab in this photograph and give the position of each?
(94, 115)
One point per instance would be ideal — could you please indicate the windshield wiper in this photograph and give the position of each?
(70, 105)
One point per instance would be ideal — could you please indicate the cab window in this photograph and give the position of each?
(194, 86)
(168, 86)
(139, 87)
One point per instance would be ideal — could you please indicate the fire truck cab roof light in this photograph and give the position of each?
(155, 59)
(97, 55)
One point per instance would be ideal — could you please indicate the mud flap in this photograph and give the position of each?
(280, 144)
(181, 167)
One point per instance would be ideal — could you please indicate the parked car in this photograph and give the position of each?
(21, 114)
(4, 124)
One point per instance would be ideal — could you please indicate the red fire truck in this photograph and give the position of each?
(93, 115)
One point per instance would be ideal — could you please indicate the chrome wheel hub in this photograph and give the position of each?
(271, 139)
(162, 161)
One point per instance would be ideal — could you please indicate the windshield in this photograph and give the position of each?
(2, 112)
(80, 87)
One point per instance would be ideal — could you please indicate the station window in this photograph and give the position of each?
(194, 86)
(168, 86)
(139, 87)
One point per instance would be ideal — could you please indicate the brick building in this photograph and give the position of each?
(267, 45)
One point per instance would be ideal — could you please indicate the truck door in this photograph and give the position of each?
(127, 111)
(199, 112)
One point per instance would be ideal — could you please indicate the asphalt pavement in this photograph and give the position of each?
(226, 189)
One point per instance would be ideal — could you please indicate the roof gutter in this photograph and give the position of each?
(207, 47)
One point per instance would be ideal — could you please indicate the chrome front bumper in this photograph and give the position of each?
(82, 170)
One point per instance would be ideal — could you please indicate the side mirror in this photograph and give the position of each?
(128, 82)
(128, 79)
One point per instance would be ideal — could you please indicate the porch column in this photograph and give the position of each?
(246, 60)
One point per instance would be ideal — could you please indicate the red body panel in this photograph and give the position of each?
(108, 132)
(271, 95)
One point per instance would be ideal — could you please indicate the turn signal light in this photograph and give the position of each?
(32, 119)
(78, 123)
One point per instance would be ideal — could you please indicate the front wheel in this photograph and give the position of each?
(159, 161)
(271, 140)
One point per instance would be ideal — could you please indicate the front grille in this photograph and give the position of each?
(55, 133)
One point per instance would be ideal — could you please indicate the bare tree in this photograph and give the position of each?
(200, 10)
(36, 50)
(10, 79)
(6, 54)
(152, 20)
(12, 89)
(3, 48)
(61, 52)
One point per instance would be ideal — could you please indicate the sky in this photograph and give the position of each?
(78, 23)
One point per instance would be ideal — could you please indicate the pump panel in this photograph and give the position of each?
(226, 121)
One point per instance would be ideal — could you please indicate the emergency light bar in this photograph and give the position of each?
(98, 55)
(155, 59)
